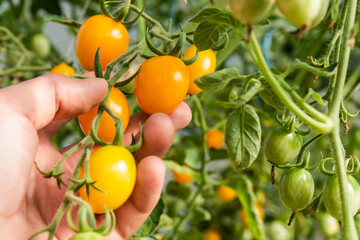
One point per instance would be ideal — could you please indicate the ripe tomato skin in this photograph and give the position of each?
(161, 84)
(183, 178)
(214, 139)
(296, 188)
(226, 194)
(282, 146)
(243, 215)
(100, 31)
(88, 236)
(250, 11)
(114, 170)
(300, 12)
(212, 235)
(204, 64)
(63, 69)
(332, 200)
(118, 104)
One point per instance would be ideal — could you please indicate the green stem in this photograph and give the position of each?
(204, 161)
(25, 12)
(352, 80)
(24, 69)
(51, 228)
(321, 123)
(347, 21)
(141, 23)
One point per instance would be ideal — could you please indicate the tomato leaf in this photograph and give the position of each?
(218, 80)
(216, 16)
(152, 222)
(270, 98)
(243, 98)
(200, 214)
(245, 193)
(178, 190)
(209, 35)
(243, 136)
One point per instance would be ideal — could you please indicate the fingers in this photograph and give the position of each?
(181, 116)
(158, 134)
(52, 97)
(146, 194)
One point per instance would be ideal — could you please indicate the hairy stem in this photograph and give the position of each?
(347, 22)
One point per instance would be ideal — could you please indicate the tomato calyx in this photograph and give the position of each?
(86, 221)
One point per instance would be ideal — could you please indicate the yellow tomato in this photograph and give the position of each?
(212, 235)
(204, 64)
(214, 139)
(113, 168)
(182, 177)
(63, 69)
(226, 194)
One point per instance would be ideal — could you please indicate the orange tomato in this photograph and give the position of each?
(118, 104)
(63, 69)
(212, 235)
(226, 194)
(204, 64)
(214, 139)
(102, 32)
(161, 84)
(182, 177)
(243, 215)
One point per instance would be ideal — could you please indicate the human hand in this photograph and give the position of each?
(32, 112)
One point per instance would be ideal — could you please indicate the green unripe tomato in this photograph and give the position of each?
(321, 14)
(357, 222)
(328, 225)
(300, 12)
(296, 188)
(88, 236)
(250, 11)
(332, 200)
(282, 146)
(40, 44)
(278, 231)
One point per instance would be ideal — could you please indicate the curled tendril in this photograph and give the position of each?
(322, 166)
(192, 60)
(131, 22)
(355, 165)
(118, 15)
(151, 46)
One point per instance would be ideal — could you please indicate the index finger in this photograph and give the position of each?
(52, 97)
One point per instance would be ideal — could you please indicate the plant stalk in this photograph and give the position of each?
(349, 230)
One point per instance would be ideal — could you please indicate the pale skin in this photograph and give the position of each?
(31, 113)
